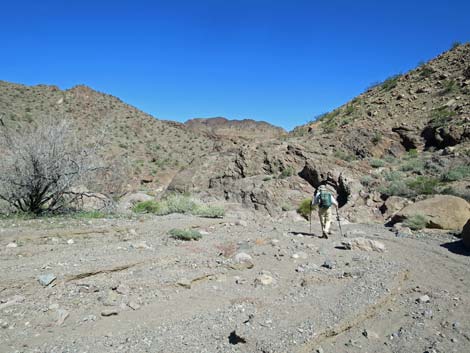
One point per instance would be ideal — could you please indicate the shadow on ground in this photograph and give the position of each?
(457, 247)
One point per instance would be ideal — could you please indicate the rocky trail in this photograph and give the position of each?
(250, 284)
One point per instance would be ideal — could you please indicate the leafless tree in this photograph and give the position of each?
(42, 163)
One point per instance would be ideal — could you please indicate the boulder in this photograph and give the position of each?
(466, 234)
(393, 204)
(364, 244)
(441, 211)
(129, 200)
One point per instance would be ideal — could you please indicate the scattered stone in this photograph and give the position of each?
(424, 299)
(300, 255)
(46, 279)
(329, 264)
(123, 289)
(12, 245)
(89, 318)
(54, 306)
(109, 312)
(4, 324)
(242, 223)
(363, 244)
(242, 261)
(70, 241)
(62, 316)
(319, 350)
(370, 334)
(184, 282)
(264, 279)
(140, 245)
(428, 314)
(12, 301)
(133, 305)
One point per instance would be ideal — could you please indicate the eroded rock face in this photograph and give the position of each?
(441, 211)
(466, 234)
(393, 204)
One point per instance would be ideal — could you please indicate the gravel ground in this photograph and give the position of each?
(124, 285)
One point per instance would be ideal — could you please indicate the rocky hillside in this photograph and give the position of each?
(407, 137)
(151, 150)
(246, 128)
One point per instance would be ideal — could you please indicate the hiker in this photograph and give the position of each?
(324, 199)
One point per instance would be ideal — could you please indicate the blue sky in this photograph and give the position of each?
(279, 61)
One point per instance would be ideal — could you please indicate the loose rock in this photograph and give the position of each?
(46, 279)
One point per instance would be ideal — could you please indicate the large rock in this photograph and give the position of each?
(441, 211)
(393, 204)
(363, 244)
(466, 234)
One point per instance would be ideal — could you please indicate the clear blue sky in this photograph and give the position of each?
(279, 61)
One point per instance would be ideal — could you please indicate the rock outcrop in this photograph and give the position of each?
(441, 212)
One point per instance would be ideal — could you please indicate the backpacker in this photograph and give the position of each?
(325, 199)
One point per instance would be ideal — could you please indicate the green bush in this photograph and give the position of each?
(185, 234)
(146, 207)
(376, 163)
(450, 86)
(441, 116)
(377, 138)
(416, 222)
(178, 203)
(209, 211)
(344, 155)
(366, 180)
(390, 83)
(287, 172)
(304, 208)
(423, 185)
(457, 173)
(395, 188)
(414, 165)
(89, 214)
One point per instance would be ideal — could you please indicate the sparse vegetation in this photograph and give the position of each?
(457, 173)
(450, 86)
(177, 203)
(423, 185)
(305, 208)
(390, 83)
(416, 222)
(376, 138)
(185, 234)
(287, 172)
(377, 163)
(441, 116)
(345, 156)
(42, 165)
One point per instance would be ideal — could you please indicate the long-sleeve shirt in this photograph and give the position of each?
(316, 199)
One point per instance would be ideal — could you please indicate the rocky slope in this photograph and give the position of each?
(406, 137)
(246, 128)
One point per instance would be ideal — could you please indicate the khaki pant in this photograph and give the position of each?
(325, 219)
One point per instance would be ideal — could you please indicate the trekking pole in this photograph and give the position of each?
(310, 218)
(339, 222)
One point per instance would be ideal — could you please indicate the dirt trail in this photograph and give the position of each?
(125, 285)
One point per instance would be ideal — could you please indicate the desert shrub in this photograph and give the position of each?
(441, 116)
(457, 173)
(305, 208)
(451, 191)
(367, 180)
(416, 222)
(209, 211)
(147, 207)
(456, 44)
(287, 172)
(42, 164)
(349, 109)
(413, 165)
(341, 154)
(395, 188)
(426, 71)
(423, 185)
(185, 234)
(267, 178)
(376, 138)
(450, 86)
(390, 83)
(177, 203)
(377, 163)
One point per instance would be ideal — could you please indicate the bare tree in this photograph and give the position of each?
(41, 163)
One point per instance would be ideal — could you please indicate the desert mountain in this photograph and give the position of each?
(225, 128)
(405, 137)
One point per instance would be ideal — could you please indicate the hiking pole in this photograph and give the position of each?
(310, 218)
(339, 222)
